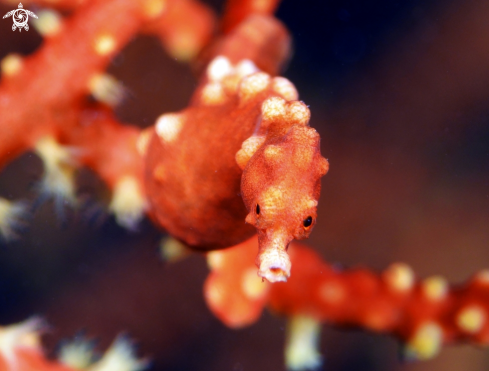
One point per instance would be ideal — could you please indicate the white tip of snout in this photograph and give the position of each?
(274, 265)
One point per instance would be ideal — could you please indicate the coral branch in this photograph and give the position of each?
(38, 92)
(110, 149)
(41, 99)
(238, 10)
(423, 314)
(184, 26)
(37, 95)
(259, 38)
(233, 290)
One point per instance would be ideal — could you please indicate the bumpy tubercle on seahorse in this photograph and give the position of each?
(245, 137)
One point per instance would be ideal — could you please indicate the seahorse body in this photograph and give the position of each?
(241, 122)
(280, 187)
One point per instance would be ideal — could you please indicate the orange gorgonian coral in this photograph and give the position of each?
(240, 159)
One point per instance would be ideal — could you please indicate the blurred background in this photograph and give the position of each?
(399, 91)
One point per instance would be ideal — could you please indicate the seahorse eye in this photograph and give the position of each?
(307, 222)
(257, 209)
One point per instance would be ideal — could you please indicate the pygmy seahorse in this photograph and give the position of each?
(241, 155)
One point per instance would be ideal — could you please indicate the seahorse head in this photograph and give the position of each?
(280, 187)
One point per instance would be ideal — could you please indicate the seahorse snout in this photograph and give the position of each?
(273, 261)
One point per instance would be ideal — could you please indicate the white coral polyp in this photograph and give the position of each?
(11, 215)
(119, 357)
(128, 202)
(59, 169)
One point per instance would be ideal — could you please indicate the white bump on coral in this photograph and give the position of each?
(77, 354)
(119, 357)
(219, 68)
(105, 44)
(435, 288)
(482, 277)
(301, 351)
(49, 23)
(173, 250)
(168, 126)
(214, 294)
(471, 319)
(285, 88)
(253, 286)
(11, 64)
(105, 88)
(215, 260)
(230, 82)
(184, 45)
(128, 202)
(59, 167)
(333, 293)
(143, 141)
(399, 277)
(154, 8)
(213, 94)
(426, 342)
(11, 215)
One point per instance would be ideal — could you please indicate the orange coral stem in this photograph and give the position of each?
(392, 302)
(105, 145)
(37, 95)
(260, 38)
(184, 27)
(238, 10)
